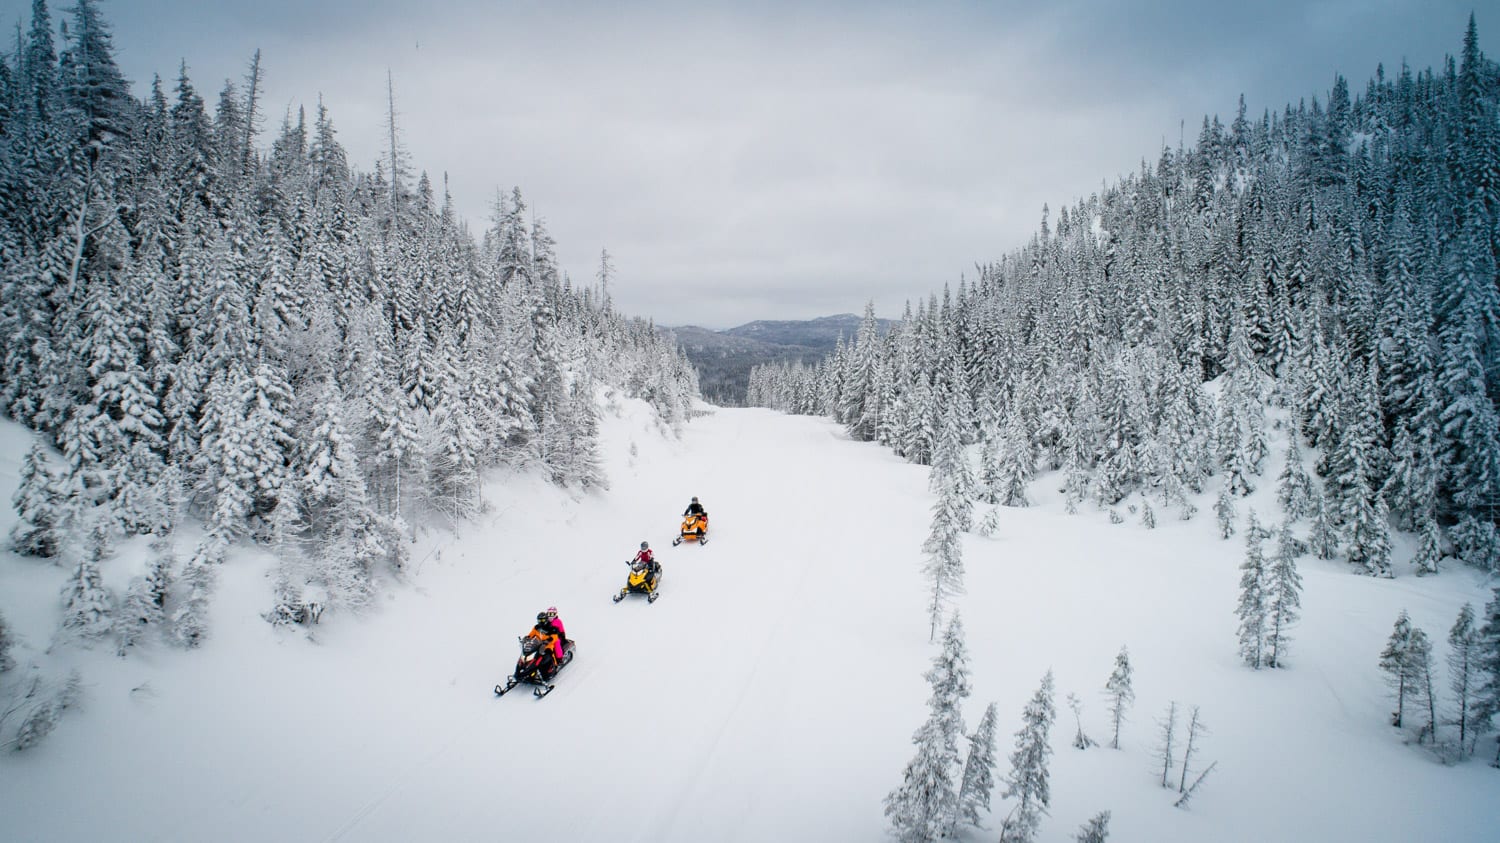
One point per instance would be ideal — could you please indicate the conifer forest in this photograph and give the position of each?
(295, 449)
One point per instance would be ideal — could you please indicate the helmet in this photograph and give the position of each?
(695, 500)
(541, 616)
(551, 611)
(644, 545)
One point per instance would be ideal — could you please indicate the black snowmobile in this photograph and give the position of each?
(536, 667)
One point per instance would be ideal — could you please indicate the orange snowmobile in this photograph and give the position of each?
(694, 529)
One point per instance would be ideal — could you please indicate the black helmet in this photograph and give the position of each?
(695, 500)
(541, 616)
(644, 545)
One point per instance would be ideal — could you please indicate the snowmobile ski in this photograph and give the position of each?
(542, 690)
(651, 598)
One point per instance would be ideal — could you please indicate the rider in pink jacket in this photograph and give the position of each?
(550, 624)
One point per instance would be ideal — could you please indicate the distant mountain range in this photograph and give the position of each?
(724, 358)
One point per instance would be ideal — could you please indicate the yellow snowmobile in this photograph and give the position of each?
(694, 529)
(642, 580)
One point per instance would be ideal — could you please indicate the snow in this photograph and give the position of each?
(770, 694)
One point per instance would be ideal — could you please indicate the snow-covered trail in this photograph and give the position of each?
(734, 706)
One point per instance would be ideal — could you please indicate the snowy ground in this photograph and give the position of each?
(770, 694)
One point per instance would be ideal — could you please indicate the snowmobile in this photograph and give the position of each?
(535, 668)
(639, 582)
(694, 529)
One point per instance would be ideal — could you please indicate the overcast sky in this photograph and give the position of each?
(777, 160)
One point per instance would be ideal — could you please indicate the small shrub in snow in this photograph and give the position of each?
(1095, 830)
(41, 708)
(1080, 739)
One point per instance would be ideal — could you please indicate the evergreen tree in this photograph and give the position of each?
(1255, 601)
(87, 605)
(146, 600)
(978, 780)
(7, 641)
(1487, 667)
(944, 548)
(1120, 694)
(925, 806)
(40, 506)
(1323, 539)
(1397, 661)
(1016, 464)
(1463, 666)
(1419, 666)
(1283, 595)
(1029, 777)
(1225, 511)
(1294, 488)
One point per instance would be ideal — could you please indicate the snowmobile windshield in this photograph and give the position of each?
(529, 646)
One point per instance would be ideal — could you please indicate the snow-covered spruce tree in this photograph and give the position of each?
(1395, 661)
(1463, 670)
(925, 806)
(989, 525)
(1167, 745)
(7, 640)
(195, 586)
(1323, 538)
(1225, 511)
(1029, 777)
(146, 599)
(1487, 661)
(40, 504)
(1294, 487)
(1096, 830)
(1254, 604)
(978, 781)
(950, 464)
(1419, 665)
(1075, 482)
(1016, 464)
(1118, 691)
(1283, 596)
(989, 482)
(87, 604)
(944, 567)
